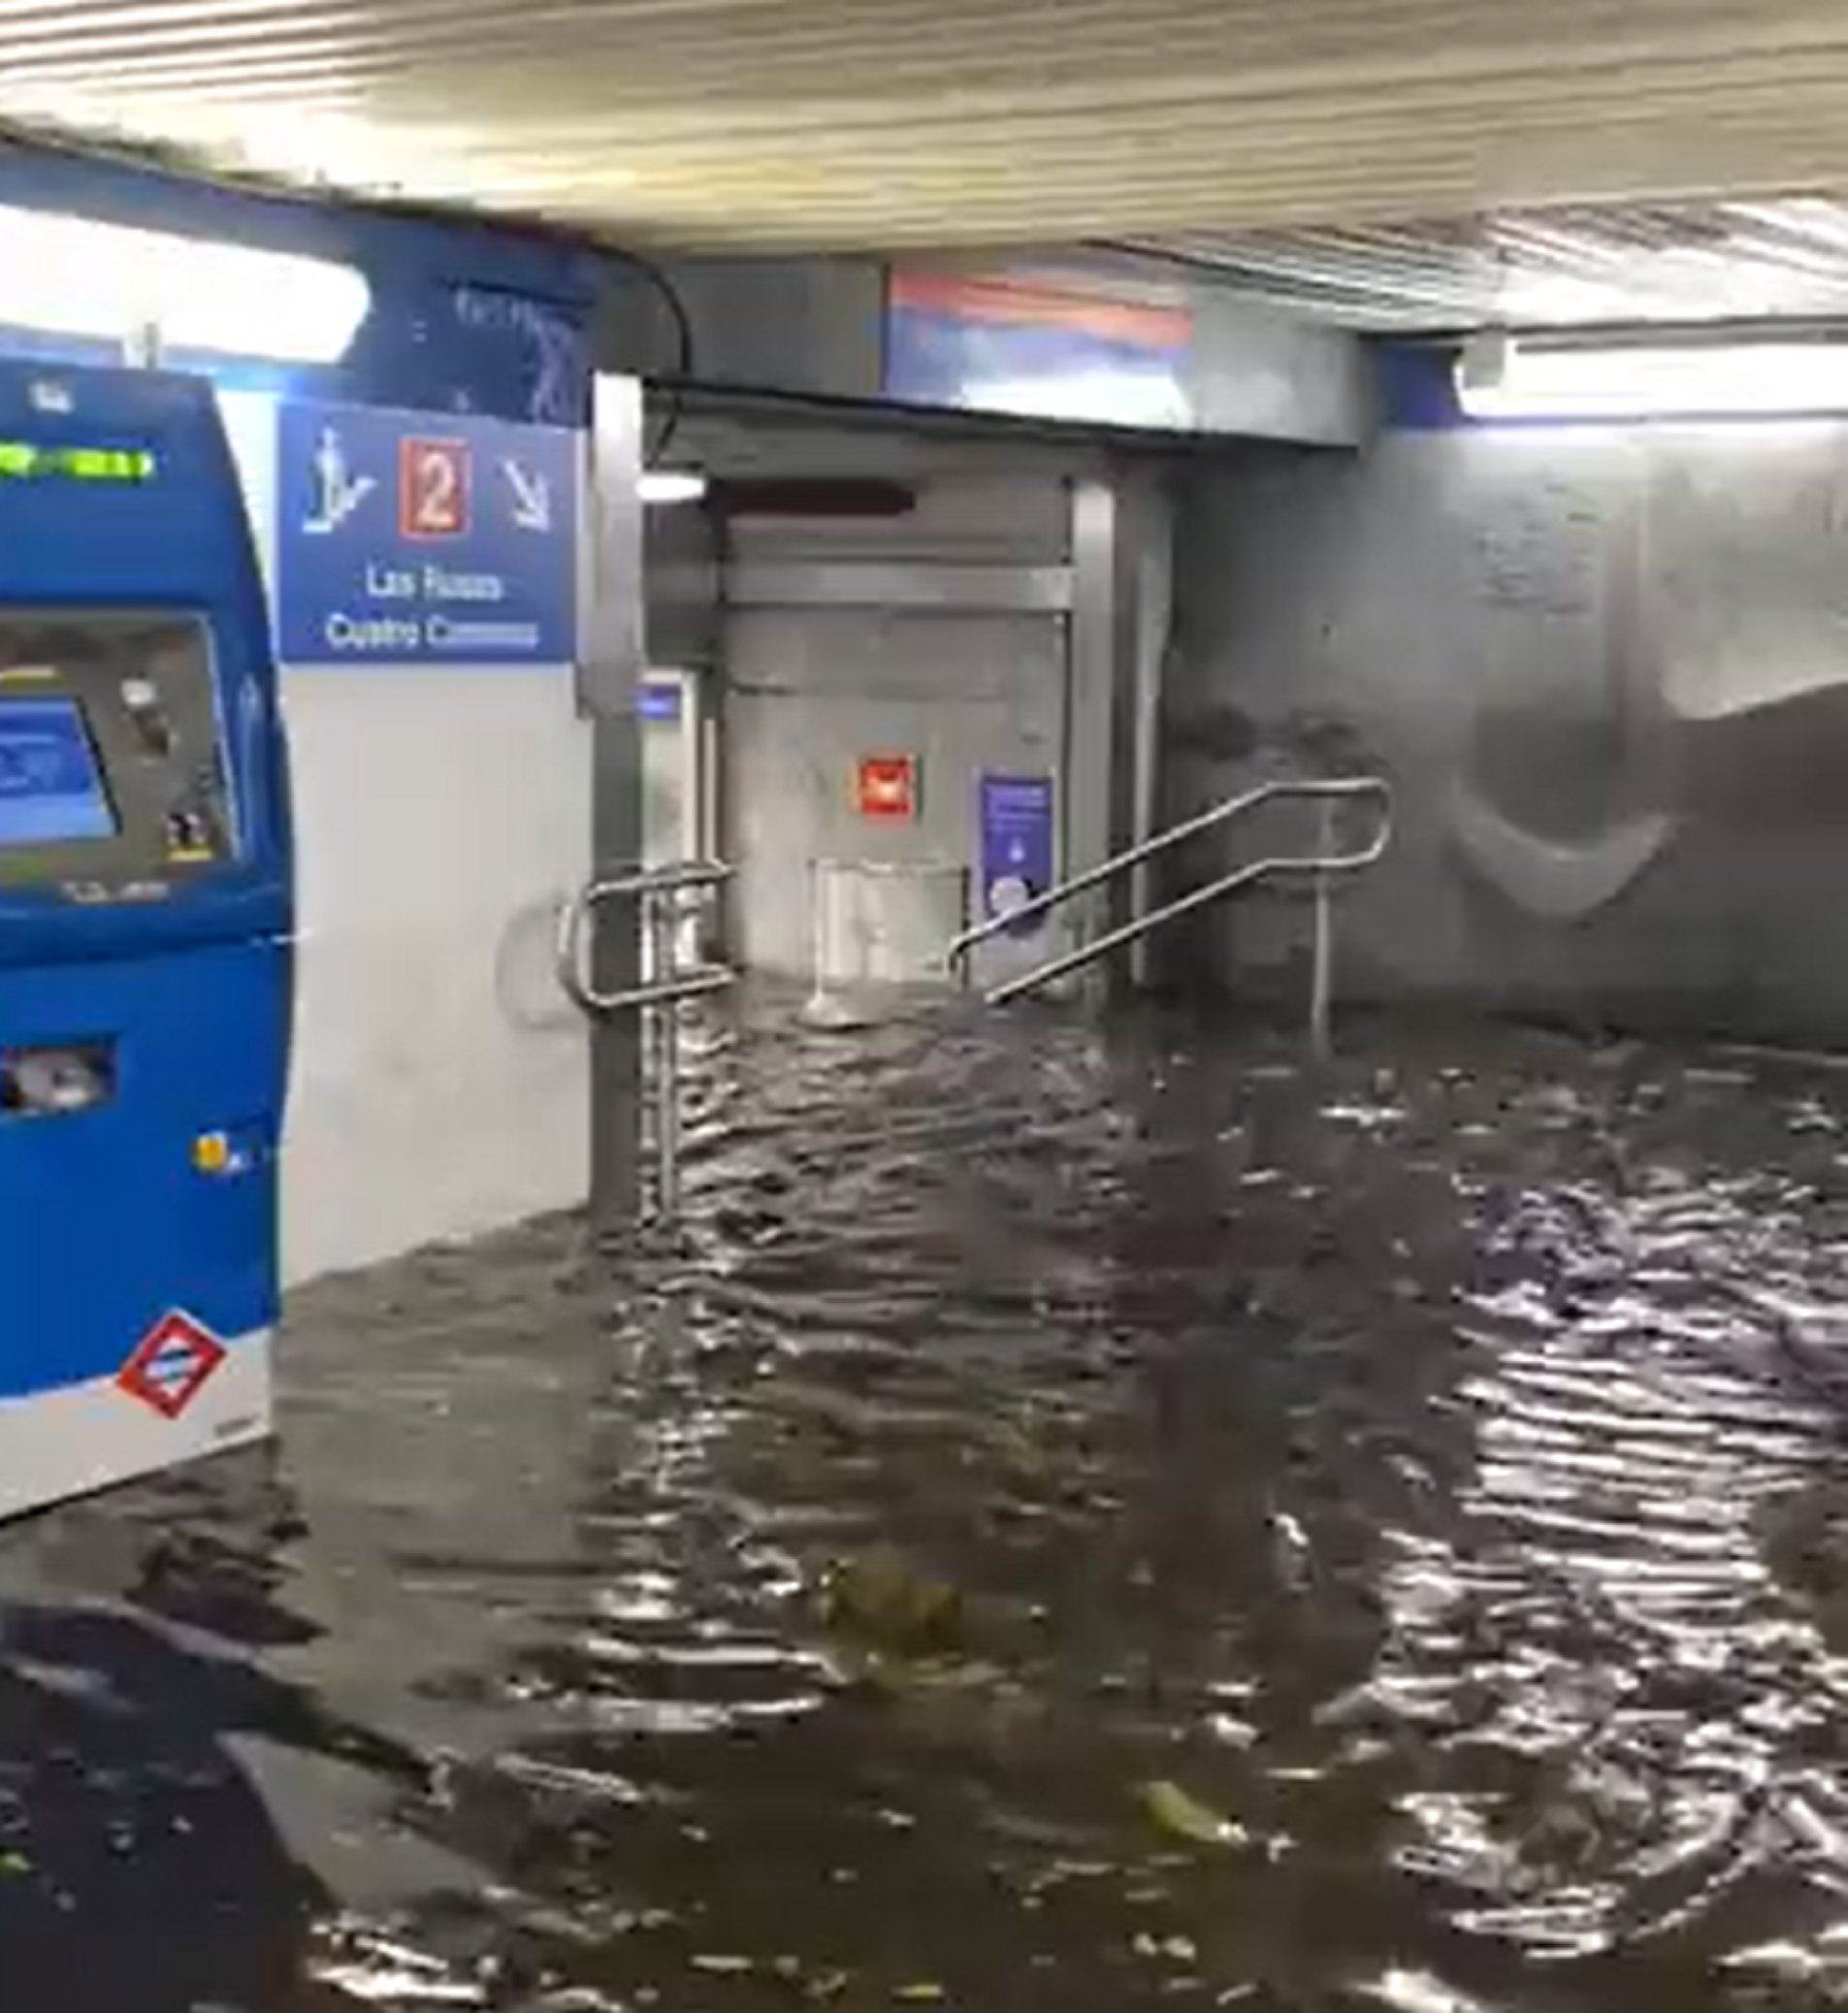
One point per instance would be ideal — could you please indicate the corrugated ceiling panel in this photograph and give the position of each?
(1558, 268)
(897, 122)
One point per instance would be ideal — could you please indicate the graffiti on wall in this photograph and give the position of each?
(1562, 793)
(1683, 661)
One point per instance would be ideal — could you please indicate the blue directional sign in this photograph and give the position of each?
(406, 537)
(1018, 844)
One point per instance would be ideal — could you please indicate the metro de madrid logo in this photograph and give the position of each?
(433, 483)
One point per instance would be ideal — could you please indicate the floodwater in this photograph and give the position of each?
(1068, 1522)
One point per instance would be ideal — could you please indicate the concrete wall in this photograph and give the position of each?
(816, 328)
(810, 689)
(1607, 670)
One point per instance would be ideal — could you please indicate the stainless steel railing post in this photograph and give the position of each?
(657, 894)
(680, 983)
(663, 913)
(1322, 948)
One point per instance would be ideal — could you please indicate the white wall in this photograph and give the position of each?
(440, 1084)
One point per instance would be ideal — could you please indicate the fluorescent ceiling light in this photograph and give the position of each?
(1694, 380)
(72, 276)
(670, 486)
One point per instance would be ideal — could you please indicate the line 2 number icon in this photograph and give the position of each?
(433, 488)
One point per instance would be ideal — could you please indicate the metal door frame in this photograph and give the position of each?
(700, 837)
(1118, 640)
(697, 841)
(611, 618)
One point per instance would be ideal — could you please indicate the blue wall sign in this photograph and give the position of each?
(466, 317)
(657, 701)
(1005, 344)
(1018, 844)
(405, 537)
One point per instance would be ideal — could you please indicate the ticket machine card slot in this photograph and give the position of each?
(55, 1081)
(148, 718)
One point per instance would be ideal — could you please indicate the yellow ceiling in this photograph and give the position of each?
(874, 123)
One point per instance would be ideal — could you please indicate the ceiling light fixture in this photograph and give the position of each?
(1718, 375)
(670, 486)
(73, 275)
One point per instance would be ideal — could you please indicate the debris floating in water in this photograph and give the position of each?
(1187, 1817)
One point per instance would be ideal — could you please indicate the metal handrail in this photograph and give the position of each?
(656, 892)
(1321, 787)
(1323, 866)
(642, 884)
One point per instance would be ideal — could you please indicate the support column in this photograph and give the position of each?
(1095, 818)
(1148, 546)
(1120, 611)
(609, 679)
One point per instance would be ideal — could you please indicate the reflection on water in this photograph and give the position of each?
(1065, 1523)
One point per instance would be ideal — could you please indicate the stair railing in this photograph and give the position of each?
(1323, 867)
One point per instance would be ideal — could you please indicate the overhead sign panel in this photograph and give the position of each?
(410, 539)
(1037, 350)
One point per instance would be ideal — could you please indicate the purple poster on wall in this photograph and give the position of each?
(1018, 844)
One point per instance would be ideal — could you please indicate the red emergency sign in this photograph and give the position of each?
(887, 786)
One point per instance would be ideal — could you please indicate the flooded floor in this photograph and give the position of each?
(1067, 1523)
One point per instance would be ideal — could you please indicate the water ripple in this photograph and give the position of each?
(1081, 1519)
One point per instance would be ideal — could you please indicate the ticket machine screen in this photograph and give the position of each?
(50, 785)
(112, 773)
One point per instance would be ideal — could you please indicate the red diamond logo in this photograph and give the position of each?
(171, 1366)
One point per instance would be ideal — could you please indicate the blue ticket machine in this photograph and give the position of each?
(145, 915)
